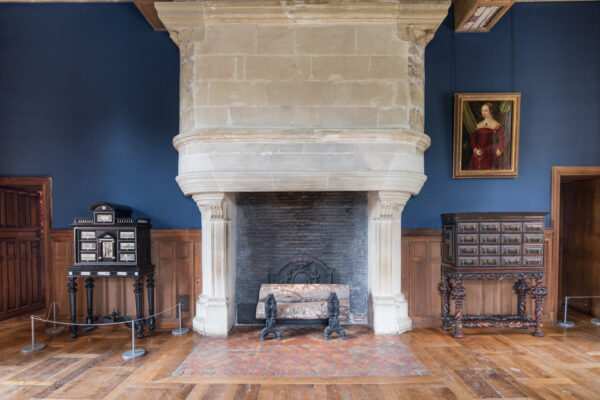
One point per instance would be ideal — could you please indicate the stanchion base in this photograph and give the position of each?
(52, 331)
(595, 321)
(130, 355)
(568, 324)
(32, 347)
(180, 331)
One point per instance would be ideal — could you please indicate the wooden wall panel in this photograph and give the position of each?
(580, 244)
(174, 257)
(21, 269)
(421, 274)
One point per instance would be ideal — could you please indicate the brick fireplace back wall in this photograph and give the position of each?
(274, 228)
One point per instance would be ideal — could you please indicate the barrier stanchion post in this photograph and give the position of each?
(54, 329)
(133, 353)
(564, 323)
(33, 346)
(180, 331)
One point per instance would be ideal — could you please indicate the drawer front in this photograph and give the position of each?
(511, 227)
(511, 250)
(490, 250)
(511, 239)
(533, 238)
(533, 227)
(491, 227)
(467, 239)
(539, 261)
(468, 227)
(467, 261)
(534, 250)
(490, 239)
(511, 261)
(490, 261)
(467, 250)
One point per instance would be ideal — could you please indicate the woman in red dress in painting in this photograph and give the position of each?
(488, 142)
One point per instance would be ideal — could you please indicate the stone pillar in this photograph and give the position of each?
(215, 306)
(388, 307)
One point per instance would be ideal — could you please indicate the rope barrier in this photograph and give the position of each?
(107, 323)
(133, 353)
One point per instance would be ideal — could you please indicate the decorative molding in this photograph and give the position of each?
(390, 204)
(425, 15)
(199, 182)
(211, 205)
(304, 136)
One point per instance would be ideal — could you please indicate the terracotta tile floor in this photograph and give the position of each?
(302, 352)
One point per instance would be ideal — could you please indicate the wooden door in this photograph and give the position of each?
(21, 273)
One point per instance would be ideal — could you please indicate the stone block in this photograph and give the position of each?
(200, 91)
(186, 76)
(394, 117)
(300, 93)
(340, 68)
(416, 119)
(305, 117)
(214, 67)
(336, 39)
(417, 95)
(275, 39)
(276, 67)
(384, 67)
(347, 117)
(186, 120)
(379, 39)
(364, 93)
(228, 39)
(261, 117)
(237, 93)
(211, 117)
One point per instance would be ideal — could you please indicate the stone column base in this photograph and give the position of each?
(390, 315)
(211, 316)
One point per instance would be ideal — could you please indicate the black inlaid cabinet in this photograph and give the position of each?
(111, 244)
(493, 246)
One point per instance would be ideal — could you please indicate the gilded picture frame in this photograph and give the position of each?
(486, 135)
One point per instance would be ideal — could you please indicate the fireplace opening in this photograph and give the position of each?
(301, 237)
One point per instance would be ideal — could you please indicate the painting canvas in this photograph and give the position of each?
(486, 135)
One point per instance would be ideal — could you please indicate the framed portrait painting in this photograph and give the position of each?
(486, 135)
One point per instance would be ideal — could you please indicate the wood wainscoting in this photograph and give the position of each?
(421, 274)
(176, 255)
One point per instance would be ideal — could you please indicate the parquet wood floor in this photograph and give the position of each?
(489, 364)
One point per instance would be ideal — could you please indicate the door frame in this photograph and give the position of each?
(43, 184)
(559, 175)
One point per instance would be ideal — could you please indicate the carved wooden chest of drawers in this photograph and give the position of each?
(492, 246)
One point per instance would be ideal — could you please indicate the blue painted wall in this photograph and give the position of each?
(550, 53)
(89, 96)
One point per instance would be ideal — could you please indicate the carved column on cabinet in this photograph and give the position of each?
(458, 294)
(539, 293)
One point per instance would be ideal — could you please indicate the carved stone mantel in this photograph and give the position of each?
(301, 96)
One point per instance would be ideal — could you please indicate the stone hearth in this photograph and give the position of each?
(290, 96)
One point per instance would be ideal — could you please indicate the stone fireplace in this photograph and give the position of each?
(301, 96)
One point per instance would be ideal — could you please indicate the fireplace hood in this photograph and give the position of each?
(301, 96)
